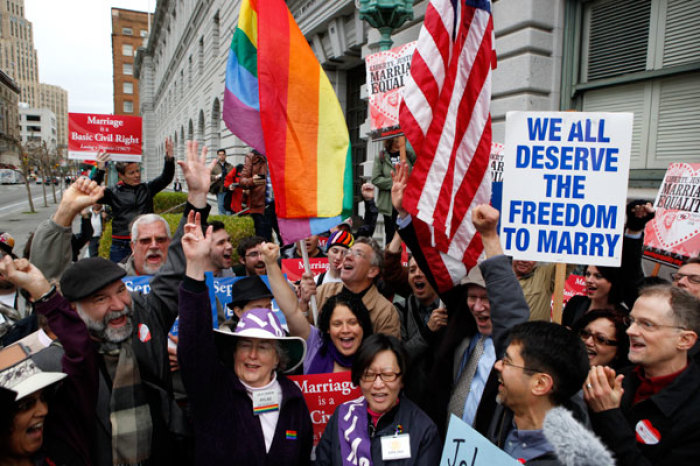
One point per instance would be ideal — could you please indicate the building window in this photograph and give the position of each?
(128, 107)
(128, 88)
(128, 69)
(143, 33)
(127, 50)
(634, 57)
(127, 31)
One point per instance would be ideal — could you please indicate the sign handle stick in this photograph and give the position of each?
(655, 272)
(301, 244)
(402, 148)
(559, 279)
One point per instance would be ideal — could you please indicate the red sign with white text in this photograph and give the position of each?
(323, 393)
(294, 268)
(119, 135)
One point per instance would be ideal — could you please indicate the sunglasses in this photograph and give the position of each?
(585, 334)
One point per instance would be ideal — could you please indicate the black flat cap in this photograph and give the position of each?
(87, 276)
(247, 289)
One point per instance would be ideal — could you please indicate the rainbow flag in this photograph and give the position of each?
(278, 98)
(241, 102)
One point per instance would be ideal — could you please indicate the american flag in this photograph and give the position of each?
(445, 116)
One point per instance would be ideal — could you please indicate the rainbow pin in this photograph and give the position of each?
(266, 408)
(291, 435)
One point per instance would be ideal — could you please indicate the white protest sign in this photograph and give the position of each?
(464, 446)
(565, 186)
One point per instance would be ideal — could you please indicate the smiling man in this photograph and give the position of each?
(150, 238)
(251, 261)
(221, 254)
(362, 264)
(650, 413)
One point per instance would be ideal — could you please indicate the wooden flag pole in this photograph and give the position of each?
(402, 148)
(559, 279)
(301, 244)
(657, 267)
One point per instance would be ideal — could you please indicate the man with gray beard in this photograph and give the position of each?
(138, 421)
(150, 238)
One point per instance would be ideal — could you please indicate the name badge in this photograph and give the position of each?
(396, 447)
(265, 401)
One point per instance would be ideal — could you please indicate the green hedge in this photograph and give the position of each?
(237, 227)
(167, 200)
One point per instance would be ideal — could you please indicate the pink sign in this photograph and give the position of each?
(119, 135)
(673, 235)
(323, 393)
(387, 72)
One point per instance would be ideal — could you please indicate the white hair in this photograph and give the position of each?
(147, 219)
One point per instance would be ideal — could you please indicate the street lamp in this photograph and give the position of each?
(386, 15)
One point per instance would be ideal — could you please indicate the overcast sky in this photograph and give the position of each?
(74, 45)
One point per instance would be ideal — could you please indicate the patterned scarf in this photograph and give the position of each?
(132, 427)
(353, 431)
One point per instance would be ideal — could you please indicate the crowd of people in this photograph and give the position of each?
(92, 373)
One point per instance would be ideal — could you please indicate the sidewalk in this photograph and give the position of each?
(20, 225)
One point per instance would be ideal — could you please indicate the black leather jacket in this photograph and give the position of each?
(128, 201)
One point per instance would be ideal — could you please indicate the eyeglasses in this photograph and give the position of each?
(507, 362)
(385, 376)
(253, 255)
(586, 334)
(149, 240)
(355, 252)
(647, 325)
(474, 299)
(676, 277)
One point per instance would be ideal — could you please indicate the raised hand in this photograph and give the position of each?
(196, 246)
(270, 252)
(197, 174)
(102, 159)
(79, 195)
(169, 153)
(485, 219)
(399, 177)
(22, 274)
(367, 191)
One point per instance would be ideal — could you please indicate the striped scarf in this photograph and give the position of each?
(130, 415)
(353, 430)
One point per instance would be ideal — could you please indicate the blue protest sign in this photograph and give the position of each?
(465, 446)
(219, 288)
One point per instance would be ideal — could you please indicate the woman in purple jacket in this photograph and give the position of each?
(249, 414)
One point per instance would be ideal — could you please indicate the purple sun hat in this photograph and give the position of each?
(263, 324)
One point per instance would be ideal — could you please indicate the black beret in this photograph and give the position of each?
(87, 276)
(248, 289)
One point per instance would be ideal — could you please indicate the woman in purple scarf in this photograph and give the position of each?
(382, 426)
(343, 324)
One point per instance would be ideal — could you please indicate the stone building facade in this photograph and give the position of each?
(552, 55)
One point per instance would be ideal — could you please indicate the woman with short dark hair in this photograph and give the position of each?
(362, 427)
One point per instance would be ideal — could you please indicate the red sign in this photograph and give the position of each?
(574, 285)
(294, 268)
(323, 393)
(673, 235)
(119, 135)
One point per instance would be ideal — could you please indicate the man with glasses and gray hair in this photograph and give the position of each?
(362, 264)
(650, 414)
(150, 238)
(688, 277)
